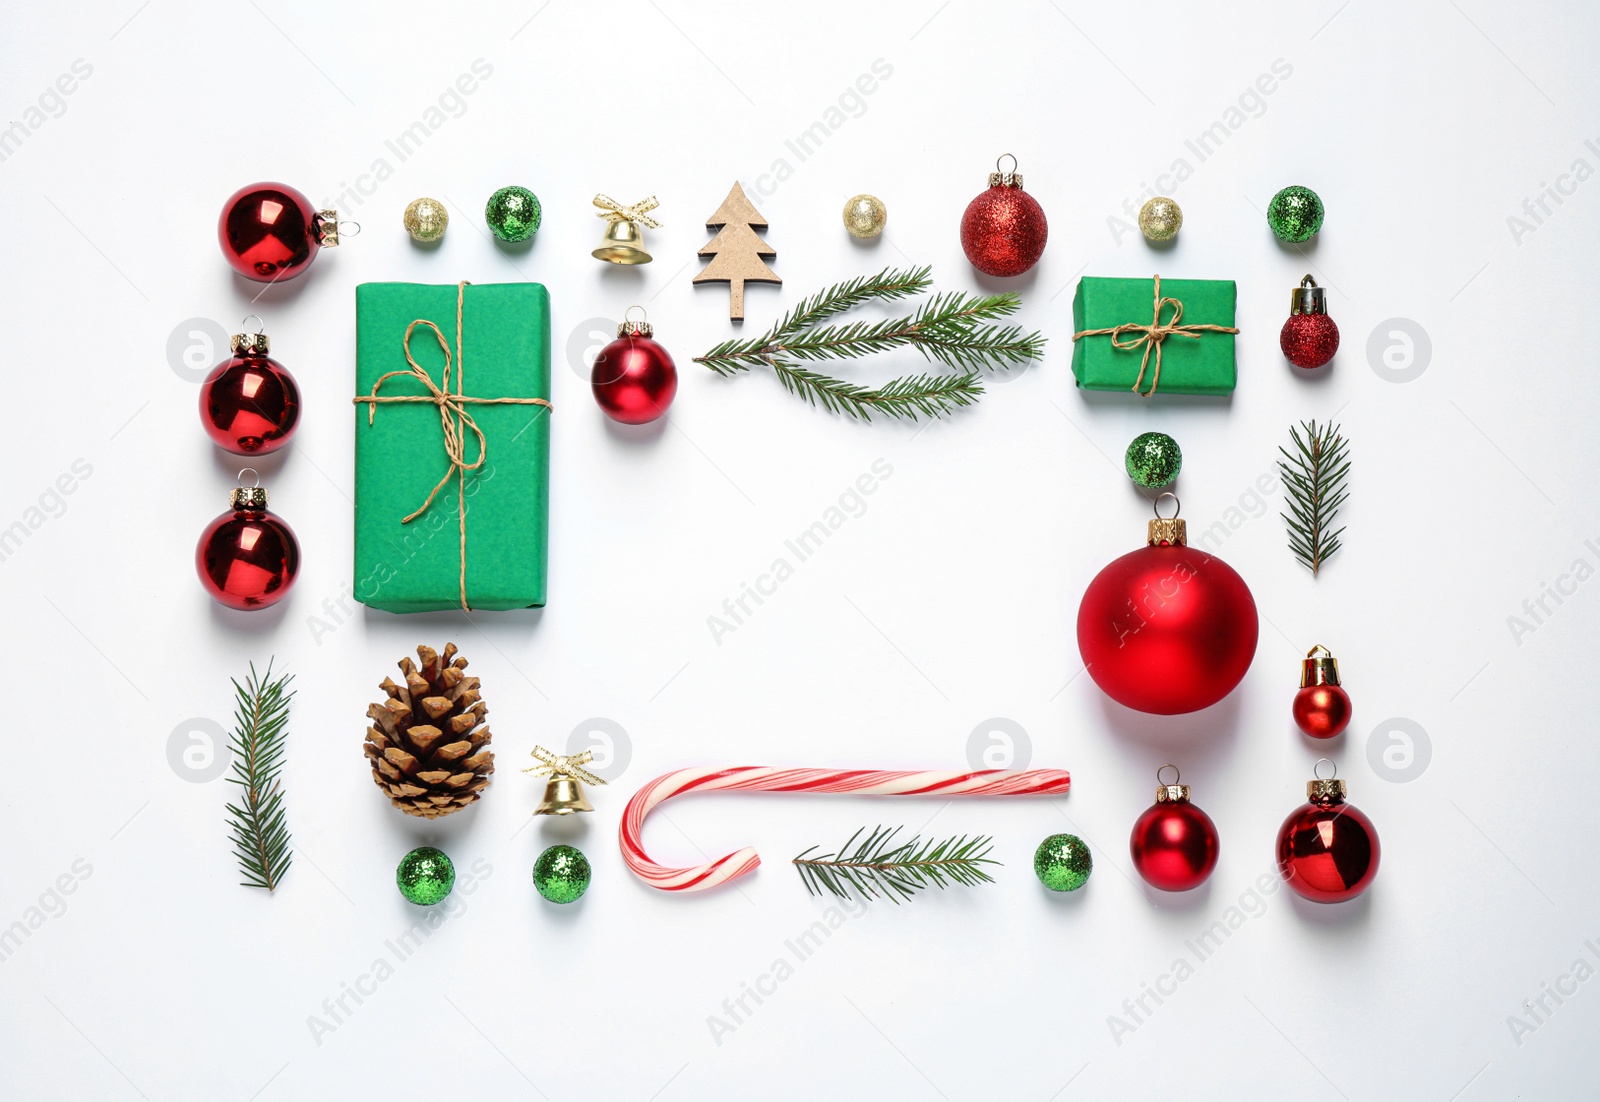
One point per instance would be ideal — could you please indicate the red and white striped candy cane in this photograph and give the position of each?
(766, 778)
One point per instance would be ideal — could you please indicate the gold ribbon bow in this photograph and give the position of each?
(1152, 335)
(560, 765)
(613, 211)
(454, 418)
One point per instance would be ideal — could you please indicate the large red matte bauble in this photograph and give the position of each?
(248, 559)
(1328, 852)
(1003, 231)
(1167, 629)
(269, 232)
(1322, 711)
(1174, 846)
(250, 405)
(1309, 340)
(634, 379)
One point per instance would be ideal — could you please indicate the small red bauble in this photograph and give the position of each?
(1321, 707)
(1309, 338)
(1174, 844)
(634, 378)
(1004, 231)
(1167, 628)
(270, 231)
(1327, 849)
(249, 404)
(248, 558)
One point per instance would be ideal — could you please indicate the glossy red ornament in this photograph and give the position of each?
(1003, 231)
(1309, 338)
(634, 378)
(1327, 849)
(270, 232)
(1167, 628)
(248, 558)
(1174, 844)
(249, 404)
(1321, 707)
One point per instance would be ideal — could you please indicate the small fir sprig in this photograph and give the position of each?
(260, 834)
(1314, 476)
(877, 865)
(953, 330)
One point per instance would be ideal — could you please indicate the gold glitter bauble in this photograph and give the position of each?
(865, 216)
(426, 219)
(1160, 219)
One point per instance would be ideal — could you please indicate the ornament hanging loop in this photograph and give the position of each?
(248, 343)
(1316, 770)
(255, 478)
(261, 324)
(640, 328)
(1177, 506)
(1001, 178)
(1167, 531)
(1176, 776)
(1325, 790)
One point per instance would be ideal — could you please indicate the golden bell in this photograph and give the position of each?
(562, 796)
(622, 244)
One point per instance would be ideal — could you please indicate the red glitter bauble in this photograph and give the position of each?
(1174, 846)
(1167, 629)
(249, 404)
(269, 232)
(1003, 231)
(1309, 340)
(634, 378)
(1322, 711)
(1328, 849)
(248, 558)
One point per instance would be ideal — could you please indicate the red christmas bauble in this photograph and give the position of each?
(634, 379)
(248, 558)
(269, 232)
(1167, 629)
(1174, 846)
(1328, 851)
(1309, 340)
(1322, 711)
(1003, 231)
(250, 404)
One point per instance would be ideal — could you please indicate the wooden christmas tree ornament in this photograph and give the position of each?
(736, 250)
(428, 744)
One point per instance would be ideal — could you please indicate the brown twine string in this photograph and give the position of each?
(1152, 336)
(453, 417)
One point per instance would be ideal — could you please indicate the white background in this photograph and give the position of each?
(949, 602)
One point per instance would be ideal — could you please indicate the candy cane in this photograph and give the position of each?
(766, 778)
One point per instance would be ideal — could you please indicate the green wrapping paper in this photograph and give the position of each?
(1191, 360)
(402, 454)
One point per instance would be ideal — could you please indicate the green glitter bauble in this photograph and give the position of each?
(513, 213)
(1295, 213)
(1153, 460)
(1062, 863)
(561, 874)
(425, 876)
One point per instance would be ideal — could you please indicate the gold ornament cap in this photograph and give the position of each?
(998, 178)
(250, 344)
(1325, 790)
(1319, 669)
(327, 223)
(252, 497)
(640, 328)
(1173, 793)
(1308, 298)
(1168, 531)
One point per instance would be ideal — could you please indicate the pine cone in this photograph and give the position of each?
(429, 749)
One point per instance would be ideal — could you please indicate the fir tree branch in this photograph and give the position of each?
(877, 866)
(257, 821)
(1314, 477)
(953, 330)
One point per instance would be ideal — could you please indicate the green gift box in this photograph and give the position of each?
(1174, 336)
(452, 445)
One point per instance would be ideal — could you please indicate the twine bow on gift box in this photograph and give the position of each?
(454, 418)
(1152, 336)
(613, 211)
